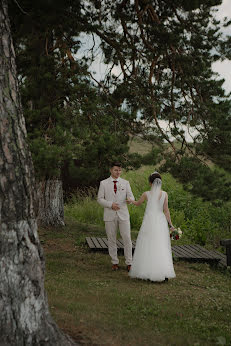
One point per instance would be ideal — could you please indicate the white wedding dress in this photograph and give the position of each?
(152, 258)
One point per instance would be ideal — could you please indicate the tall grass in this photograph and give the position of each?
(84, 208)
(200, 221)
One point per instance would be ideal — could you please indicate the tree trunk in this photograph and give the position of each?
(24, 314)
(50, 203)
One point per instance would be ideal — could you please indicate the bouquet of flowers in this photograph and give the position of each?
(175, 233)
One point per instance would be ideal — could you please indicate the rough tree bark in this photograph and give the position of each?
(50, 203)
(24, 314)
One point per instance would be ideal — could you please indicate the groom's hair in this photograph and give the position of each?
(115, 163)
(153, 176)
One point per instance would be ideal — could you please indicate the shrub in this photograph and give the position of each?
(201, 222)
(152, 158)
(211, 184)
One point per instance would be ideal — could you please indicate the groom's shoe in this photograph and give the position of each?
(115, 267)
(129, 268)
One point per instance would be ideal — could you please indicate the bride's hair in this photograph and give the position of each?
(153, 176)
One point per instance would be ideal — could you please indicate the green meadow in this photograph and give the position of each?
(201, 222)
(96, 306)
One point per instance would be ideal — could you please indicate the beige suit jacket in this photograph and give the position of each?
(107, 196)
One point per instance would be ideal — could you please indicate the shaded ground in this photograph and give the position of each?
(99, 307)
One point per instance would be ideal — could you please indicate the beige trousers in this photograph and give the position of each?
(111, 231)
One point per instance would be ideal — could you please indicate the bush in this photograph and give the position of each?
(152, 158)
(201, 222)
(211, 184)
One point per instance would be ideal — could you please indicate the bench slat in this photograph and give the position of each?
(187, 252)
(222, 258)
(178, 253)
(90, 243)
(101, 242)
(120, 244)
(205, 253)
(194, 253)
(183, 253)
(105, 241)
(97, 244)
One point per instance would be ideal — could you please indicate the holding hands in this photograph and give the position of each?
(115, 206)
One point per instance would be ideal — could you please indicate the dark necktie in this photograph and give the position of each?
(115, 187)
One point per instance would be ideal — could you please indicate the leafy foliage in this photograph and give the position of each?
(201, 221)
(165, 52)
(153, 157)
(74, 128)
(199, 179)
(215, 142)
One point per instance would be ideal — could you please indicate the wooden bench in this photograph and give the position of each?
(227, 244)
(184, 252)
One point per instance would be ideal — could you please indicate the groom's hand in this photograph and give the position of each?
(115, 206)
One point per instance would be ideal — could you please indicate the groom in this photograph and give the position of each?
(112, 195)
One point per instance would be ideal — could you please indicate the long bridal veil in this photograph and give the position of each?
(153, 208)
(154, 196)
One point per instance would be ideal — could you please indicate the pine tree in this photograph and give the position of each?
(24, 318)
(71, 125)
(44, 48)
(165, 50)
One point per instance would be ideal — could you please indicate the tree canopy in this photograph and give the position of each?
(75, 129)
(164, 52)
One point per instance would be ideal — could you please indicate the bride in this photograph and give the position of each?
(153, 255)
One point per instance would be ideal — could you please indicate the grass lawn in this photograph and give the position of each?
(99, 307)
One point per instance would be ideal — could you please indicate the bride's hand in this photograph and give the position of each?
(129, 201)
(115, 206)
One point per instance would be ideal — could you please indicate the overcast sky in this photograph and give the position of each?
(224, 67)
